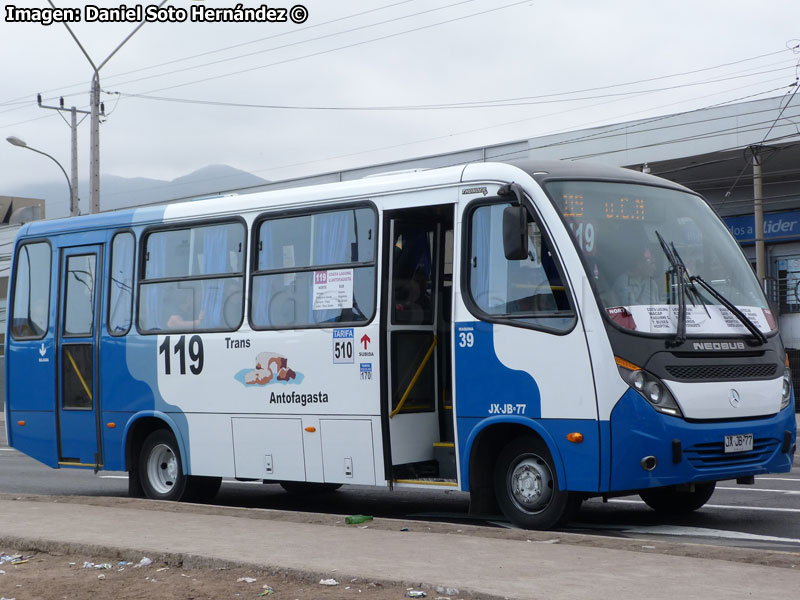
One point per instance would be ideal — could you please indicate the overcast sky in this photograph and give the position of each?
(553, 63)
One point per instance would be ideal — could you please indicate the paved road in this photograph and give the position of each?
(761, 516)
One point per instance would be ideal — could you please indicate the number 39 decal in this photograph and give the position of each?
(466, 339)
(195, 354)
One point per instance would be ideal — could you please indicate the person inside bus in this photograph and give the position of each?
(183, 317)
(638, 285)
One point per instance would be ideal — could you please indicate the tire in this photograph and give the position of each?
(669, 500)
(160, 469)
(202, 489)
(527, 488)
(305, 488)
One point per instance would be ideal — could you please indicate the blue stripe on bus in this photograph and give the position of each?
(122, 366)
(483, 381)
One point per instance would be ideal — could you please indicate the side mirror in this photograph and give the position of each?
(515, 232)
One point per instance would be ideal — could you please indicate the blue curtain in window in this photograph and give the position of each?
(153, 300)
(479, 275)
(121, 283)
(215, 257)
(331, 235)
(263, 286)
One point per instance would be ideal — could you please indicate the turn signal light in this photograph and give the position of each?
(311, 429)
(111, 425)
(21, 423)
(575, 437)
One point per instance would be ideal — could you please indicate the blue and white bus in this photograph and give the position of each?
(533, 334)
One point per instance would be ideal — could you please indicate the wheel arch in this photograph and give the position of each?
(142, 424)
(482, 448)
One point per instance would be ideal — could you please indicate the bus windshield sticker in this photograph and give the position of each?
(343, 346)
(701, 320)
(270, 368)
(333, 289)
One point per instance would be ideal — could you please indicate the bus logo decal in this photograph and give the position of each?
(271, 367)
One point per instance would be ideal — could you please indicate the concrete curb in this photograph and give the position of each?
(771, 558)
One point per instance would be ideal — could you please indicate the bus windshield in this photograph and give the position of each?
(627, 233)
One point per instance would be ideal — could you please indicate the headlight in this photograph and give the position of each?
(787, 388)
(650, 387)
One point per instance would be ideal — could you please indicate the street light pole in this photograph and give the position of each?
(15, 141)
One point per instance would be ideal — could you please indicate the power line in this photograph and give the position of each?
(509, 154)
(497, 103)
(201, 54)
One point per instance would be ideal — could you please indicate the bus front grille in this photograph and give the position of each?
(712, 455)
(751, 371)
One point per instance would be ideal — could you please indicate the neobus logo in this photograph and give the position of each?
(718, 345)
(475, 190)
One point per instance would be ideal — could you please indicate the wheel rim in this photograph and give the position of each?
(162, 469)
(530, 484)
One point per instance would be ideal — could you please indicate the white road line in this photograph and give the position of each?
(754, 489)
(778, 479)
(723, 506)
(113, 476)
(8, 450)
(704, 532)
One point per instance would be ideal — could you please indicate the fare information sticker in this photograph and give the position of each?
(343, 345)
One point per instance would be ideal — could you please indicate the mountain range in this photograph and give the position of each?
(124, 192)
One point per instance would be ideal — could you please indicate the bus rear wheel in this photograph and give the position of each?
(527, 489)
(670, 500)
(160, 467)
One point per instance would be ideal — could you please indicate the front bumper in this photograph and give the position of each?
(688, 452)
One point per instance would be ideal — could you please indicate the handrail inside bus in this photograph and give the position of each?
(78, 373)
(413, 381)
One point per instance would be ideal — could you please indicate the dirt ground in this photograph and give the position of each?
(57, 577)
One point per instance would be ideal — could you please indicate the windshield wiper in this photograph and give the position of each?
(684, 279)
(696, 295)
(743, 318)
(679, 270)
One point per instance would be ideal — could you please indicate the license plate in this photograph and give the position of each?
(739, 443)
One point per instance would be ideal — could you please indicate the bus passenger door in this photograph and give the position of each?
(78, 323)
(417, 322)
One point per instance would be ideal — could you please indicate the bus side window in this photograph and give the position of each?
(296, 256)
(530, 291)
(192, 279)
(120, 303)
(31, 307)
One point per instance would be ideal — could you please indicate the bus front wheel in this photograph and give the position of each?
(527, 489)
(160, 467)
(670, 500)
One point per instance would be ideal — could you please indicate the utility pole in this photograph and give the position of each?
(758, 210)
(96, 110)
(73, 184)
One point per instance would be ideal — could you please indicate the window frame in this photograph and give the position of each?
(466, 291)
(142, 265)
(301, 212)
(111, 282)
(65, 303)
(11, 306)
